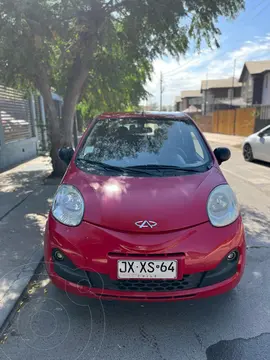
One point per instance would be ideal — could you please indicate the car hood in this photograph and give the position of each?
(145, 204)
(251, 137)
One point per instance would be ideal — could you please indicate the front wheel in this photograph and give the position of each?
(247, 153)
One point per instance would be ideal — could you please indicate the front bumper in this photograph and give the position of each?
(91, 254)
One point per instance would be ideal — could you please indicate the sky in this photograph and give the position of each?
(243, 39)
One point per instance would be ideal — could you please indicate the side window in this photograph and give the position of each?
(197, 145)
(266, 132)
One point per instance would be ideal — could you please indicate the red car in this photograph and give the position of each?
(144, 213)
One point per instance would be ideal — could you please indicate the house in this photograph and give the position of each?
(255, 77)
(191, 97)
(177, 103)
(220, 94)
(23, 127)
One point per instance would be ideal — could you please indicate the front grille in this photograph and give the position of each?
(188, 282)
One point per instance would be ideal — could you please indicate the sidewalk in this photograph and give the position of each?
(24, 203)
(226, 140)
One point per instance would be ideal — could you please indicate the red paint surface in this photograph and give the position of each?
(112, 207)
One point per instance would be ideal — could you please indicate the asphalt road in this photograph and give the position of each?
(54, 325)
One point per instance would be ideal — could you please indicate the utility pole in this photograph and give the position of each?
(161, 91)
(205, 96)
(232, 94)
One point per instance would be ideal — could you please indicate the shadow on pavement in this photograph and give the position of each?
(256, 227)
(241, 349)
(20, 182)
(21, 246)
(16, 185)
(262, 163)
(59, 325)
(64, 325)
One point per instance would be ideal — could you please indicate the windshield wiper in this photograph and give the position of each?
(113, 168)
(165, 167)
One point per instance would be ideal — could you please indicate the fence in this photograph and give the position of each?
(23, 126)
(14, 115)
(263, 112)
(234, 122)
(18, 140)
(262, 117)
(203, 121)
(241, 121)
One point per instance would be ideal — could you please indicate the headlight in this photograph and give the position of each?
(222, 206)
(68, 205)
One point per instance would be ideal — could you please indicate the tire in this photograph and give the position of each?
(247, 153)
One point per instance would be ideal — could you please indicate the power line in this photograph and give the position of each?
(171, 72)
(206, 93)
(176, 70)
(216, 58)
(265, 7)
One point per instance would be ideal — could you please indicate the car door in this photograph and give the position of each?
(264, 145)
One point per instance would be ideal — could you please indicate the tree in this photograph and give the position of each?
(117, 84)
(58, 43)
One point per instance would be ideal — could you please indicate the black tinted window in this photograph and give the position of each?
(135, 142)
(266, 132)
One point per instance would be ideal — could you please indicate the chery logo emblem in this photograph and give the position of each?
(146, 224)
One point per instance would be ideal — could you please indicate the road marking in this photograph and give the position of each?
(233, 173)
(257, 181)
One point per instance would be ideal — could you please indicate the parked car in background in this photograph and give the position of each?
(257, 146)
(144, 213)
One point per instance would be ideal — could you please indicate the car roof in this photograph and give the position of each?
(144, 114)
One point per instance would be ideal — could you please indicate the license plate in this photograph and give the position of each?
(147, 269)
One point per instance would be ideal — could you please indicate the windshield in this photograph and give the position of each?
(145, 142)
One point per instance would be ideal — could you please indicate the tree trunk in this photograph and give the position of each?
(79, 74)
(80, 122)
(75, 130)
(76, 80)
(58, 165)
(42, 84)
(81, 66)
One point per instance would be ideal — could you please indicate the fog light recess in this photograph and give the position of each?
(58, 255)
(232, 256)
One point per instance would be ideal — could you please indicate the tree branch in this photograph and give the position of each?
(43, 85)
(116, 6)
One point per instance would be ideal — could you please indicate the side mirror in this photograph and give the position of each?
(260, 134)
(65, 154)
(222, 154)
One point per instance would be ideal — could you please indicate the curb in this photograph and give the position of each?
(19, 288)
(237, 146)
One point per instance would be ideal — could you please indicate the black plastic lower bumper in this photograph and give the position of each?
(225, 270)
(68, 271)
